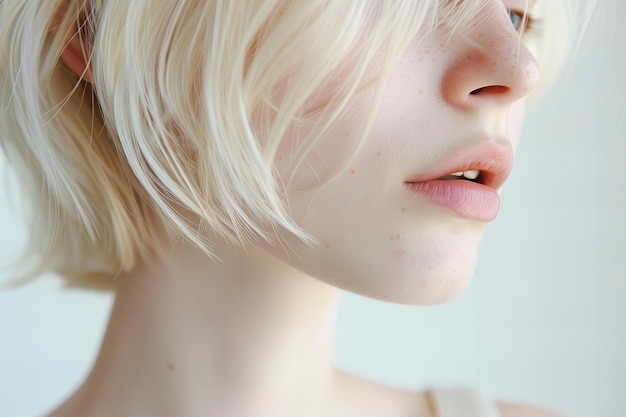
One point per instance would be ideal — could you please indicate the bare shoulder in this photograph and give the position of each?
(523, 410)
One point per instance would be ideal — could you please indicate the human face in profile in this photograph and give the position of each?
(403, 221)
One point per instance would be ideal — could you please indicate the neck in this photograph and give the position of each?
(188, 336)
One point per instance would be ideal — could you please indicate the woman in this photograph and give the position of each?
(227, 166)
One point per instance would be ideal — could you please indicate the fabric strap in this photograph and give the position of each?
(461, 402)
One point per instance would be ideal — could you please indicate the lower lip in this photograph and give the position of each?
(470, 200)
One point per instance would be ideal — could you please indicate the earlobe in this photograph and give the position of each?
(76, 56)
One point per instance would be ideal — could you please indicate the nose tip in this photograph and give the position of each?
(491, 65)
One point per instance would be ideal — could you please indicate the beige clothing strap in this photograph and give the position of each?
(461, 402)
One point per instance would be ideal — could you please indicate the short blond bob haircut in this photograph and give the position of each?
(189, 102)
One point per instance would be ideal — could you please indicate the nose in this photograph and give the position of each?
(489, 65)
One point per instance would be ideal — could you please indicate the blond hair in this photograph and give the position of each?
(188, 105)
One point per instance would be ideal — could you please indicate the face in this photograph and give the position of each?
(403, 221)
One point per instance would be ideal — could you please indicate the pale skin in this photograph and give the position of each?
(253, 334)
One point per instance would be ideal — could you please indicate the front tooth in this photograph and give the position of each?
(457, 174)
(471, 175)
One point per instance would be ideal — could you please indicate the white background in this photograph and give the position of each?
(544, 320)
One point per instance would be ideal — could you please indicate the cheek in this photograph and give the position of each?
(310, 157)
(302, 166)
(370, 246)
(377, 242)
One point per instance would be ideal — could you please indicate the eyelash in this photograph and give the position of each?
(529, 25)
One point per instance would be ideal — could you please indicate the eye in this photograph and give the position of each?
(518, 19)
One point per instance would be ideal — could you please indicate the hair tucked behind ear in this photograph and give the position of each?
(81, 194)
(177, 132)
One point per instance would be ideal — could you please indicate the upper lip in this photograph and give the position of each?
(494, 160)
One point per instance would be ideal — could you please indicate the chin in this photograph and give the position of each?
(422, 283)
(429, 266)
(419, 261)
(430, 269)
(440, 288)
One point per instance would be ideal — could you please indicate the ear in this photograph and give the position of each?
(76, 55)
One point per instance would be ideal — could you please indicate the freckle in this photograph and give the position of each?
(170, 366)
(353, 171)
(379, 153)
(421, 92)
(398, 236)
(403, 209)
(328, 246)
(386, 296)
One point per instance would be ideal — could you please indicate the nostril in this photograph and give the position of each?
(492, 89)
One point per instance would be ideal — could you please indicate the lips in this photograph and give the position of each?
(467, 181)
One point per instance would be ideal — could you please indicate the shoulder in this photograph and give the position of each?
(522, 410)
